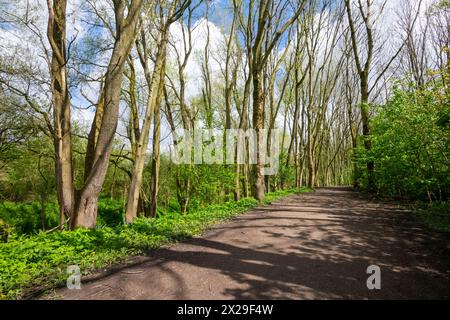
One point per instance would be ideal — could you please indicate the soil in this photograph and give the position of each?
(308, 246)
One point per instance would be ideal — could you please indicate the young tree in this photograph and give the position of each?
(155, 84)
(183, 54)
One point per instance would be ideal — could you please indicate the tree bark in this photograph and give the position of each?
(156, 161)
(56, 33)
(85, 214)
(153, 102)
(258, 186)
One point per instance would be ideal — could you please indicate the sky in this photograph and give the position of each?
(21, 43)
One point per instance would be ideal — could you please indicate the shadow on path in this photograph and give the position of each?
(312, 246)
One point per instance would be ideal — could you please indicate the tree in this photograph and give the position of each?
(61, 110)
(80, 206)
(155, 88)
(268, 14)
(183, 54)
(364, 55)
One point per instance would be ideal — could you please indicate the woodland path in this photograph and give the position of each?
(309, 246)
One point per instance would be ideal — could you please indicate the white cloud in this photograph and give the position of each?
(193, 71)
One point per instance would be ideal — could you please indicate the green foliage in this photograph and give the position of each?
(273, 196)
(110, 213)
(411, 150)
(286, 174)
(26, 217)
(5, 231)
(209, 184)
(41, 260)
(24, 175)
(436, 215)
(411, 145)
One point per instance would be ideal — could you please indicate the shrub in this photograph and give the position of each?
(26, 217)
(110, 213)
(411, 145)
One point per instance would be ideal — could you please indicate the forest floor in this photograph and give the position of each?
(309, 246)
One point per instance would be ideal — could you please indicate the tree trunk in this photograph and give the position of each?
(258, 187)
(85, 214)
(93, 135)
(366, 132)
(61, 110)
(42, 215)
(156, 149)
(153, 102)
(311, 169)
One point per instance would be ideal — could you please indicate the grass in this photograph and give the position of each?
(436, 215)
(41, 260)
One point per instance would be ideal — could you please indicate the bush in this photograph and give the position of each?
(26, 217)
(110, 213)
(411, 145)
(435, 215)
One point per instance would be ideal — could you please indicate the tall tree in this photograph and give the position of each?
(363, 47)
(155, 84)
(61, 109)
(268, 13)
(80, 206)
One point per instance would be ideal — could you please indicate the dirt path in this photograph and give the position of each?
(311, 246)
